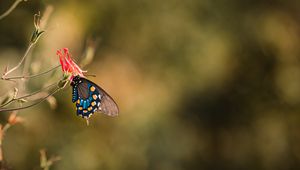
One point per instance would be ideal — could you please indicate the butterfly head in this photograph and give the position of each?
(76, 80)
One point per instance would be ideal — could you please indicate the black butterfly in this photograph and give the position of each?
(90, 98)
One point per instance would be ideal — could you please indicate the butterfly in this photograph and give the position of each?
(90, 98)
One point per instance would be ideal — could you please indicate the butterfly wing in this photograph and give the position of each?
(107, 104)
(90, 98)
(87, 99)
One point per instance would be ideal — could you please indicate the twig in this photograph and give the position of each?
(31, 76)
(28, 95)
(5, 128)
(13, 6)
(39, 24)
(1, 139)
(12, 120)
(19, 64)
(36, 92)
(34, 38)
(89, 52)
(38, 102)
(46, 163)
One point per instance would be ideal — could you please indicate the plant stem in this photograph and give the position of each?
(28, 106)
(3, 131)
(13, 6)
(31, 76)
(6, 127)
(46, 163)
(25, 96)
(17, 66)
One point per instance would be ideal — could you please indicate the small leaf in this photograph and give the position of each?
(35, 36)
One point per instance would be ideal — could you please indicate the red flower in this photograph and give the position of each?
(67, 64)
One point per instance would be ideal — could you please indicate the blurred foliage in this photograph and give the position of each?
(201, 84)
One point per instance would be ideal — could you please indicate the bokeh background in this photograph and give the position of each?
(201, 84)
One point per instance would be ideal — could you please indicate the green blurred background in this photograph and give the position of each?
(201, 84)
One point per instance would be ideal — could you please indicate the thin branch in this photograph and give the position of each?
(28, 95)
(12, 120)
(39, 24)
(32, 76)
(34, 104)
(36, 92)
(46, 163)
(13, 6)
(6, 127)
(17, 66)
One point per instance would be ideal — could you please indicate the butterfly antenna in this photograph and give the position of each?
(90, 75)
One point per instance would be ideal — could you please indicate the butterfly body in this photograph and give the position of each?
(90, 98)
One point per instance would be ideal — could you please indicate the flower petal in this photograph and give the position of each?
(67, 63)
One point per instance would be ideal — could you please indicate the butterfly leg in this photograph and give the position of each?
(87, 121)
